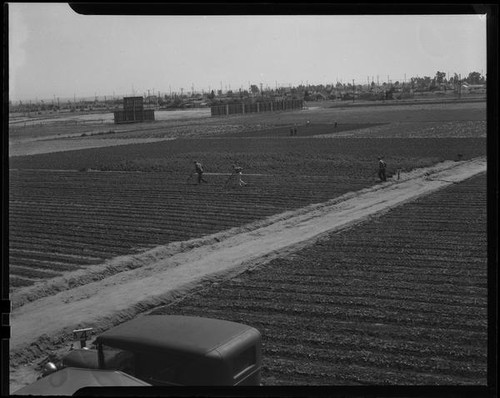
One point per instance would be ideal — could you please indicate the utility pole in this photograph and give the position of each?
(459, 86)
(353, 91)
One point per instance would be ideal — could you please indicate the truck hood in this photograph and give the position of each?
(81, 359)
(69, 380)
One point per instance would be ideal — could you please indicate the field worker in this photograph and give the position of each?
(238, 172)
(199, 170)
(381, 169)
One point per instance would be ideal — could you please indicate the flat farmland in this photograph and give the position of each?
(400, 299)
(130, 198)
(452, 119)
(375, 304)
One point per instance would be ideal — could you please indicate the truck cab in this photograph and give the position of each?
(164, 350)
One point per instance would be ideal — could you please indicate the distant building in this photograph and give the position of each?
(255, 107)
(473, 87)
(133, 111)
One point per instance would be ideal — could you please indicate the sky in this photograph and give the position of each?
(57, 53)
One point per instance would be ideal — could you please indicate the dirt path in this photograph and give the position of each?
(100, 296)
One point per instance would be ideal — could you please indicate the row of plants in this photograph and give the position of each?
(107, 214)
(341, 312)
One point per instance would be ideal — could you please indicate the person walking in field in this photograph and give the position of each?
(236, 174)
(381, 169)
(198, 169)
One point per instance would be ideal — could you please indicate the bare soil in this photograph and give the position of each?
(45, 314)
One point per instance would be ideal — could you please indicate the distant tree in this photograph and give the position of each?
(440, 76)
(176, 102)
(254, 89)
(474, 78)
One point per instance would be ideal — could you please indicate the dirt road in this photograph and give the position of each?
(124, 287)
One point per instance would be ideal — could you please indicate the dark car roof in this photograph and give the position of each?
(69, 380)
(172, 333)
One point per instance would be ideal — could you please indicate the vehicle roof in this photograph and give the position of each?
(172, 333)
(68, 381)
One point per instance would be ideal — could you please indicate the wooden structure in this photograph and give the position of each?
(133, 111)
(256, 107)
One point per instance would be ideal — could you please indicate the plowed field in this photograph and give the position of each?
(398, 300)
(63, 220)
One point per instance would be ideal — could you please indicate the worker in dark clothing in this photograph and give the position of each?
(381, 169)
(198, 170)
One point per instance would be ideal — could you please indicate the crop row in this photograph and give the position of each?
(336, 314)
(103, 215)
(109, 214)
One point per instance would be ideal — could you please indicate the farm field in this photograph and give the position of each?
(72, 211)
(406, 120)
(62, 220)
(400, 299)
